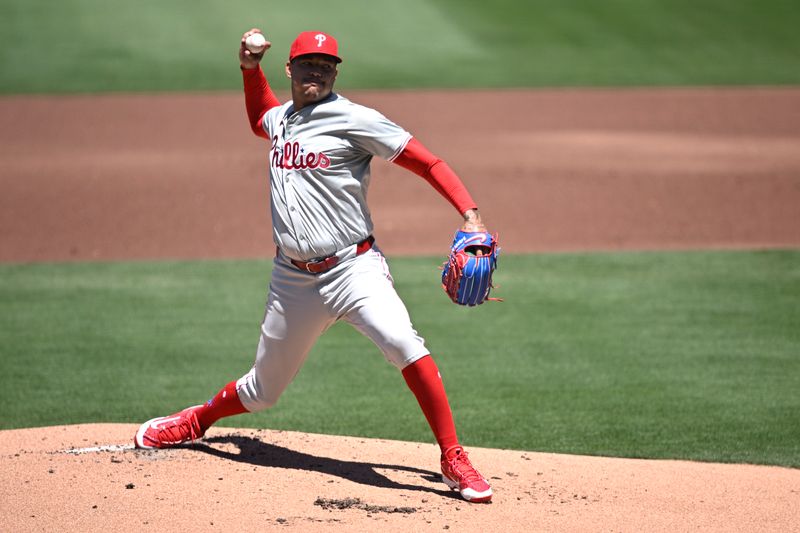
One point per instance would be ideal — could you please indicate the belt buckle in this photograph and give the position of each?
(312, 264)
(327, 264)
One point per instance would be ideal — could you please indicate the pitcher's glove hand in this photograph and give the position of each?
(467, 274)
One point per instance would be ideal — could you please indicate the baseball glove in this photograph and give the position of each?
(467, 273)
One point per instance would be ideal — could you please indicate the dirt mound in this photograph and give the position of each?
(89, 478)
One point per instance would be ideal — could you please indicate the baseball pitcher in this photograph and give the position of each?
(328, 265)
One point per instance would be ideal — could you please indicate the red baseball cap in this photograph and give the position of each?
(314, 42)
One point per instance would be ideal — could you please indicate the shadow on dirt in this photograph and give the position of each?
(255, 452)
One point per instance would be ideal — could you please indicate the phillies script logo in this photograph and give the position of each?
(292, 156)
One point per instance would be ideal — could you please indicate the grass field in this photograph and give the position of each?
(102, 45)
(681, 355)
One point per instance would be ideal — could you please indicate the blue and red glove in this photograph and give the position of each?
(467, 274)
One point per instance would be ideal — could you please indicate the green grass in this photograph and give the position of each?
(669, 355)
(108, 45)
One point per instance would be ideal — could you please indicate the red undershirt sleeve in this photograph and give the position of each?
(419, 160)
(258, 98)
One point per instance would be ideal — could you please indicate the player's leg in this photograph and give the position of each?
(371, 304)
(293, 320)
(425, 381)
(222, 405)
(377, 311)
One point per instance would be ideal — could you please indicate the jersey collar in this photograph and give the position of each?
(290, 110)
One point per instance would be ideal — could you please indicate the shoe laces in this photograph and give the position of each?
(177, 431)
(461, 466)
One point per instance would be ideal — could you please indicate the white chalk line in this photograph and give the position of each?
(94, 449)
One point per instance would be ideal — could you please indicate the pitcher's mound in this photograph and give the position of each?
(89, 478)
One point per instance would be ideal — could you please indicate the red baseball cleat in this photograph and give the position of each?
(459, 474)
(168, 431)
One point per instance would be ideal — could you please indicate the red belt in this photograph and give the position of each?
(318, 266)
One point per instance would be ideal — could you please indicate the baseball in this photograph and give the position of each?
(255, 43)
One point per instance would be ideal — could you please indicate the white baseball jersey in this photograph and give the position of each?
(319, 173)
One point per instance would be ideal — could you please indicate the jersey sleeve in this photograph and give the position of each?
(258, 98)
(373, 133)
(419, 160)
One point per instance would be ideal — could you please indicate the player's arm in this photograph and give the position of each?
(419, 160)
(258, 95)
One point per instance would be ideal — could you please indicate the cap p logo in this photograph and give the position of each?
(314, 42)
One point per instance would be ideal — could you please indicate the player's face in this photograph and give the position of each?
(312, 78)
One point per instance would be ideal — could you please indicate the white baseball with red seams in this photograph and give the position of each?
(256, 43)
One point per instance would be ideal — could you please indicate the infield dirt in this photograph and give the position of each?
(180, 176)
